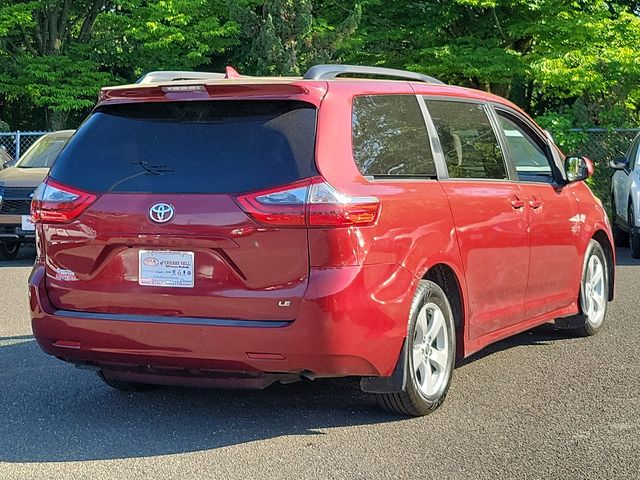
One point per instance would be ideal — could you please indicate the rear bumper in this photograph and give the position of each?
(352, 322)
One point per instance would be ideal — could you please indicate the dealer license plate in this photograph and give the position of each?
(160, 268)
(27, 224)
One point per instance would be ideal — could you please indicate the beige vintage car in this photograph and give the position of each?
(17, 185)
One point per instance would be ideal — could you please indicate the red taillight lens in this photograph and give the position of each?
(281, 206)
(329, 207)
(311, 202)
(56, 203)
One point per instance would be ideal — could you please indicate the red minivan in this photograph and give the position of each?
(226, 231)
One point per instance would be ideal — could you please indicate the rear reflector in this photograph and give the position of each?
(56, 203)
(309, 203)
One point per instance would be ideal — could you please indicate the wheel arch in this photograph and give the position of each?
(603, 239)
(446, 277)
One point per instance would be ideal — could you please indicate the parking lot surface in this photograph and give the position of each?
(539, 405)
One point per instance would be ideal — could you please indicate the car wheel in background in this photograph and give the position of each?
(430, 354)
(620, 237)
(9, 250)
(634, 238)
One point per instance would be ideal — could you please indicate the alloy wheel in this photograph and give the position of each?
(430, 352)
(594, 295)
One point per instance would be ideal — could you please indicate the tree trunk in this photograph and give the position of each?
(56, 120)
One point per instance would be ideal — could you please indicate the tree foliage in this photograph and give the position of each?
(56, 54)
(282, 37)
(570, 63)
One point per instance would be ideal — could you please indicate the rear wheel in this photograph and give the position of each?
(634, 238)
(9, 250)
(123, 385)
(431, 354)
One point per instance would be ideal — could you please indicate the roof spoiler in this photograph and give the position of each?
(175, 76)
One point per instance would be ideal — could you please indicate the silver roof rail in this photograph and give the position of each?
(175, 76)
(328, 72)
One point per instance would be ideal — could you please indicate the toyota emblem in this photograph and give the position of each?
(161, 212)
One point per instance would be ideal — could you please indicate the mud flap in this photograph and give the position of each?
(574, 321)
(397, 382)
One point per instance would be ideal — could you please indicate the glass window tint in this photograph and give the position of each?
(529, 156)
(390, 137)
(469, 143)
(215, 146)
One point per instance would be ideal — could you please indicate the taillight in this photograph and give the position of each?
(311, 202)
(56, 203)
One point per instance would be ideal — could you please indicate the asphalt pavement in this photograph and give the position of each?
(539, 405)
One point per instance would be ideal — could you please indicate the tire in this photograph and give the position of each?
(431, 345)
(594, 284)
(620, 237)
(634, 237)
(9, 250)
(122, 385)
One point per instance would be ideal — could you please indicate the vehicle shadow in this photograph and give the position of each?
(53, 412)
(624, 258)
(25, 258)
(542, 335)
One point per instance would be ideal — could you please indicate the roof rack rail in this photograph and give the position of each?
(174, 76)
(328, 72)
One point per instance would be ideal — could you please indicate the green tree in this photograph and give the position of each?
(545, 55)
(55, 55)
(284, 37)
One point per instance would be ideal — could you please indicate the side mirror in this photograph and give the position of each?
(620, 163)
(578, 168)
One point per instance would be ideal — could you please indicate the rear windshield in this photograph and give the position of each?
(191, 147)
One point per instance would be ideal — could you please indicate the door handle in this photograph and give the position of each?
(517, 203)
(535, 203)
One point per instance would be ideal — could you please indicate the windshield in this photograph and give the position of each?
(43, 153)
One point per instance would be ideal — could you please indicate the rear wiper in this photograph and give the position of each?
(153, 169)
(156, 170)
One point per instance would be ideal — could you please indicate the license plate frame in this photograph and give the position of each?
(166, 268)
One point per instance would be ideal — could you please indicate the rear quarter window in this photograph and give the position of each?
(191, 147)
(390, 138)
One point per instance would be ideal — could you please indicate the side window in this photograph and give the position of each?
(390, 138)
(526, 150)
(468, 140)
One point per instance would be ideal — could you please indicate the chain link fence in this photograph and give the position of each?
(601, 146)
(14, 144)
